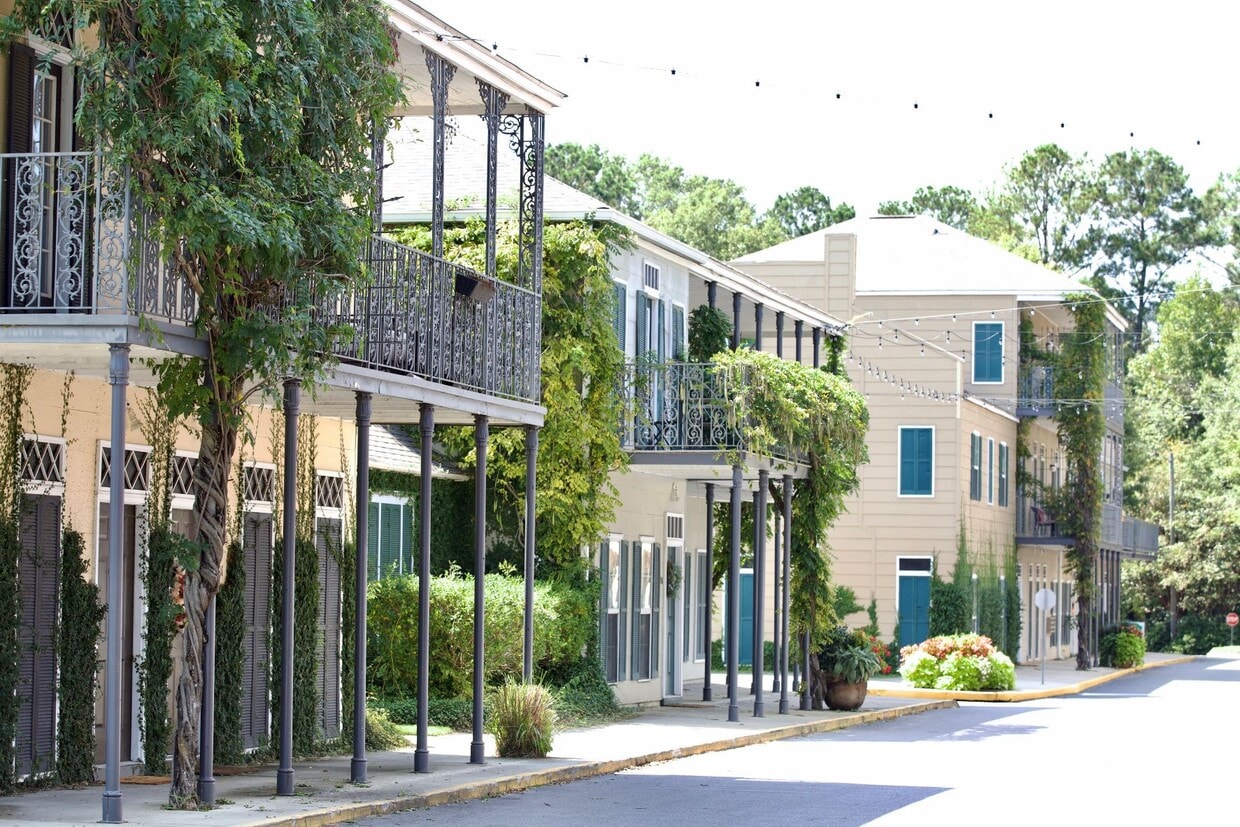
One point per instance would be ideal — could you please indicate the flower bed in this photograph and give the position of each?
(968, 663)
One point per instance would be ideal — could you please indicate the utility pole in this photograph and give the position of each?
(1174, 610)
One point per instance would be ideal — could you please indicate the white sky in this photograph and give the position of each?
(1165, 72)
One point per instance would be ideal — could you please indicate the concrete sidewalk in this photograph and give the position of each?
(325, 796)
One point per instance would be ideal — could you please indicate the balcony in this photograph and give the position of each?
(80, 266)
(683, 408)
(1035, 522)
(1140, 539)
(1036, 391)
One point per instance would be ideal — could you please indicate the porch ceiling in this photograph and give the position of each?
(701, 467)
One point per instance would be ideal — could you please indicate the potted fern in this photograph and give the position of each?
(846, 663)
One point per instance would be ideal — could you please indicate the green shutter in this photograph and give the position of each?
(908, 461)
(636, 615)
(655, 610)
(372, 542)
(624, 610)
(975, 467)
(406, 538)
(678, 333)
(661, 342)
(621, 298)
(643, 320)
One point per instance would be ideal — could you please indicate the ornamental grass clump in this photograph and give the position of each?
(968, 663)
(522, 718)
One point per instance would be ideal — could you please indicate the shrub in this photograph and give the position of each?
(1122, 646)
(958, 662)
(563, 626)
(381, 731)
(583, 694)
(456, 714)
(522, 719)
(949, 608)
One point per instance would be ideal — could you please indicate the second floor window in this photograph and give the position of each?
(975, 467)
(988, 352)
(916, 462)
(1003, 475)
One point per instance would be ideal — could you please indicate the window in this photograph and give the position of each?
(1003, 475)
(643, 610)
(702, 597)
(621, 309)
(614, 591)
(916, 462)
(990, 471)
(650, 276)
(975, 467)
(988, 352)
(389, 536)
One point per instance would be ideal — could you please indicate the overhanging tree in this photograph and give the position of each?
(245, 130)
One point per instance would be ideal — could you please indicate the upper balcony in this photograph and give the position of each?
(1036, 394)
(683, 414)
(80, 269)
(1140, 539)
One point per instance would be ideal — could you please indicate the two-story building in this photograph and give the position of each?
(86, 290)
(935, 322)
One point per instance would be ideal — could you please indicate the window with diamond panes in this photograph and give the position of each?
(137, 471)
(43, 461)
(259, 484)
(183, 475)
(329, 491)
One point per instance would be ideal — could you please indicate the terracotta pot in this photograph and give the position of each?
(845, 696)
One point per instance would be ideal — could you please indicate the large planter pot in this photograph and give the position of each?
(845, 697)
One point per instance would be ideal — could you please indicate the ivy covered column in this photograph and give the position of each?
(118, 378)
(798, 331)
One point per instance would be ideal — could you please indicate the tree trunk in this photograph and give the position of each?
(217, 448)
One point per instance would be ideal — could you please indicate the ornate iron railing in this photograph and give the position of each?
(682, 406)
(1036, 387)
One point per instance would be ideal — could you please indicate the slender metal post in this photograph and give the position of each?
(776, 543)
(481, 437)
(757, 326)
(799, 328)
(736, 320)
(426, 425)
(441, 73)
(712, 294)
(817, 346)
(734, 596)
(710, 594)
(759, 599)
(118, 377)
(779, 334)
(357, 767)
(531, 461)
(206, 715)
(292, 403)
(783, 666)
(755, 583)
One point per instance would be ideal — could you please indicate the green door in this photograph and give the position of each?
(914, 607)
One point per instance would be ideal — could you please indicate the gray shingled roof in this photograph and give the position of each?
(392, 448)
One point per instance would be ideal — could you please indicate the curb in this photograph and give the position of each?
(1014, 696)
(573, 772)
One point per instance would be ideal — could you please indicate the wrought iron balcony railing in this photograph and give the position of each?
(1036, 388)
(76, 241)
(682, 406)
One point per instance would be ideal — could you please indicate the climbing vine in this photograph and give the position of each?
(14, 382)
(230, 659)
(77, 644)
(1080, 380)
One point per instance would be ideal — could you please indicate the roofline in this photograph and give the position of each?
(725, 275)
(458, 48)
(989, 406)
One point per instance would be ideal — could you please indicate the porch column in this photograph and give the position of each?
(710, 593)
(481, 437)
(292, 405)
(531, 460)
(733, 636)
(357, 767)
(736, 320)
(441, 73)
(759, 598)
(426, 427)
(206, 715)
(118, 378)
(779, 334)
(817, 346)
(755, 584)
(712, 294)
(798, 330)
(776, 543)
(783, 656)
(757, 325)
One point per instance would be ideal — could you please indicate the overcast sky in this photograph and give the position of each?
(991, 80)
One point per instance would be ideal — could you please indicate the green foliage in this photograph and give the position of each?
(456, 714)
(579, 446)
(77, 645)
(844, 602)
(452, 506)
(1040, 210)
(805, 210)
(710, 330)
(967, 663)
(582, 694)
(562, 630)
(950, 608)
(1196, 634)
(849, 655)
(1080, 380)
(306, 650)
(522, 719)
(951, 205)
(14, 382)
(230, 661)
(780, 404)
(381, 732)
(1122, 646)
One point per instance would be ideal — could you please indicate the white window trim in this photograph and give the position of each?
(42, 487)
(900, 459)
(1002, 352)
(653, 292)
(917, 573)
(257, 506)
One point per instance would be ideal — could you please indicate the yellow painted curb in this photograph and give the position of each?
(1012, 696)
(573, 772)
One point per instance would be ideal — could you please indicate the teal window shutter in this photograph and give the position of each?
(1003, 475)
(678, 333)
(661, 342)
(624, 609)
(988, 352)
(975, 467)
(637, 609)
(372, 542)
(990, 471)
(917, 461)
(621, 298)
(643, 324)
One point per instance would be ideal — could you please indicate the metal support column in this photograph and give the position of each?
(776, 568)
(757, 327)
(817, 346)
(783, 664)
(734, 596)
(206, 715)
(357, 767)
(799, 331)
(759, 600)
(481, 437)
(712, 294)
(426, 427)
(779, 334)
(710, 594)
(531, 461)
(118, 378)
(292, 405)
(441, 73)
(736, 320)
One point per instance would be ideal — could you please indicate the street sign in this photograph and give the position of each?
(1044, 599)
(1232, 618)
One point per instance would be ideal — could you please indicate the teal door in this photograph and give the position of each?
(746, 641)
(914, 609)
